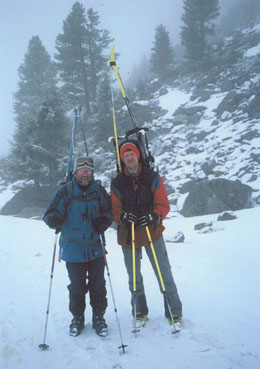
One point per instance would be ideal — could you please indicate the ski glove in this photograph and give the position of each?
(55, 222)
(101, 224)
(150, 219)
(128, 218)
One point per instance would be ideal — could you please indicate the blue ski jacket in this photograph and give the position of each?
(77, 209)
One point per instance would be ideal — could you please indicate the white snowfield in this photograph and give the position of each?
(217, 275)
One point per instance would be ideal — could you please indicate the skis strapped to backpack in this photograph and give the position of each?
(140, 133)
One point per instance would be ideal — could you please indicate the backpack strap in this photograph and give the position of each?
(69, 189)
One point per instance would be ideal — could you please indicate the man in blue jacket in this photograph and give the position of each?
(81, 211)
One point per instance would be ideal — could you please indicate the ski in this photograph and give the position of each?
(74, 128)
(139, 132)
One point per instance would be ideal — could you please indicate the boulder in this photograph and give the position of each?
(187, 186)
(177, 238)
(200, 226)
(216, 196)
(249, 135)
(226, 215)
(196, 136)
(32, 212)
(229, 103)
(29, 197)
(254, 107)
(208, 167)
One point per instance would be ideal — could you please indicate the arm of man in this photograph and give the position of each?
(161, 204)
(117, 207)
(104, 219)
(56, 211)
(106, 204)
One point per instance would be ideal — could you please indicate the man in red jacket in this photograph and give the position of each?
(138, 195)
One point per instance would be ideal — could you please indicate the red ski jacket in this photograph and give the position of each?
(152, 181)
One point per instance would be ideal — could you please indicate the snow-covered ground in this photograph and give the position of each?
(217, 275)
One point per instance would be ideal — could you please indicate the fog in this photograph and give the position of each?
(131, 23)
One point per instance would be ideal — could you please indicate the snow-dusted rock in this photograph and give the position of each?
(216, 196)
(227, 215)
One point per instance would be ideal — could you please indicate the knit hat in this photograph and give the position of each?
(83, 162)
(129, 146)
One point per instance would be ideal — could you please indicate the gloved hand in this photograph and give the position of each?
(128, 218)
(150, 219)
(101, 224)
(55, 222)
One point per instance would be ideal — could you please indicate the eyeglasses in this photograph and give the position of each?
(83, 171)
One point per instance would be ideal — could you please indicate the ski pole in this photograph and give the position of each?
(134, 277)
(160, 277)
(103, 243)
(115, 132)
(43, 345)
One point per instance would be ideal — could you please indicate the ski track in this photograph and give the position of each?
(24, 286)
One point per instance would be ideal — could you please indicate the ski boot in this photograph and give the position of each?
(77, 324)
(140, 320)
(99, 324)
(177, 322)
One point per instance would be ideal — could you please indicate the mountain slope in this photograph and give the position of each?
(208, 126)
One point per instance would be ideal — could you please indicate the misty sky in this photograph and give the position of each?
(131, 23)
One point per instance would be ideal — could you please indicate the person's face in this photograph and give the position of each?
(131, 161)
(83, 176)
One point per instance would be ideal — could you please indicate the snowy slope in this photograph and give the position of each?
(217, 275)
(185, 148)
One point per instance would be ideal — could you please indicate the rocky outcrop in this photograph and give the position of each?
(216, 196)
(28, 202)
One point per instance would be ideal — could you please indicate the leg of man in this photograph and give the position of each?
(77, 287)
(141, 304)
(167, 277)
(97, 285)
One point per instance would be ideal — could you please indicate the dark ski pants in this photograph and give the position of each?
(165, 268)
(92, 270)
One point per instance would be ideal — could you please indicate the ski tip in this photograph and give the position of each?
(112, 56)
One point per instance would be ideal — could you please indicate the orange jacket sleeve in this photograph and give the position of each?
(117, 207)
(161, 204)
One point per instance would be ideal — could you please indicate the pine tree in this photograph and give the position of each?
(162, 54)
(97, 41)
(80, 57)
(104, 98)
(103, 117)
(44, 160)
(37, 93)
(36, 81)
(197, 18)
(71, 57)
